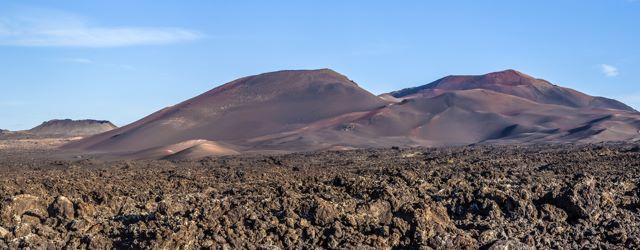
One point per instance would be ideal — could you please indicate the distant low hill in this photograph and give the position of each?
(68, 127)
(302, 110)
(61, 128)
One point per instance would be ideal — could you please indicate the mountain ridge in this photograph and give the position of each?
(518, 84)
(306, 110)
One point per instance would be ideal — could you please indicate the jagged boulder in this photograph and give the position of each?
(62, 208)
(21, 208)
(580, 201)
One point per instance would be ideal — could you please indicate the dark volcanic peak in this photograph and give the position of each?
(508, 77)
(244, 109)
(514, 83)
(290, 77)
(70, 127)
(325, 72)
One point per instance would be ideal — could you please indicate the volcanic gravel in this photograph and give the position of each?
(487, 197)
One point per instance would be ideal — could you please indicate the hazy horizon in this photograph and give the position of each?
(106, 61)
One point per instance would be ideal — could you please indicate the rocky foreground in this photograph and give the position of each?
(496, 197)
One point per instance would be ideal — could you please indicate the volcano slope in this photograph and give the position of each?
(243, 109)
(306, 110)
(485, 196)
(500, 107)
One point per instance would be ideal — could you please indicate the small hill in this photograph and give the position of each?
(191, 149)
(70, 127)
(201, 150)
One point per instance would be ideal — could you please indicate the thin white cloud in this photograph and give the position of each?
(80, 60)
(11, 103)
(631, 99)
(127, 67)
(76, 60)
(4, 31)
(58, 29)
(120, 66)
(609, 70)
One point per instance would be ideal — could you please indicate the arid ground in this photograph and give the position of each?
(496, 197)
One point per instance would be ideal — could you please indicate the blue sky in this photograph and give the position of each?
(121, 60)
